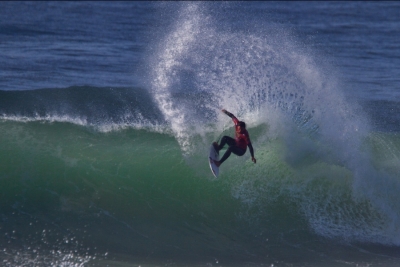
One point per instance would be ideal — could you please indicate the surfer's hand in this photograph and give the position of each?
(224, 111)
(253, 159)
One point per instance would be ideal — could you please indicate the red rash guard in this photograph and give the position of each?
(242, 138)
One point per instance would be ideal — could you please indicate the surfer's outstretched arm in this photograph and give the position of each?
(234, 119)
(228, 113)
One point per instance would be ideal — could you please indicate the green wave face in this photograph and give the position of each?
(132, 191)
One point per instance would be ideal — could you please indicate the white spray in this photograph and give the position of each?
(266, 79)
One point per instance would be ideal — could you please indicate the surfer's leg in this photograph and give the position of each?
(226, 140)
(225, 156)
(236, 150)
(216, 147)
(231, 143)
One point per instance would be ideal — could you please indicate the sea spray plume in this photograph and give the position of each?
(200, 69)
(269, 79)
(167, 79)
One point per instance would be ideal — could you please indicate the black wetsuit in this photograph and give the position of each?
(237, 145)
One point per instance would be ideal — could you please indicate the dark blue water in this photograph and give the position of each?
(56, 45)
(107, 110)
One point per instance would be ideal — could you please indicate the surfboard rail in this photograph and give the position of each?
(213, 156)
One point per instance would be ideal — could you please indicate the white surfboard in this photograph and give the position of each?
(215, 156)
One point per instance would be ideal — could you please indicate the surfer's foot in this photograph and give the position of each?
(217, 162)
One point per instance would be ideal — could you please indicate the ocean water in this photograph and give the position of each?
(107, 111)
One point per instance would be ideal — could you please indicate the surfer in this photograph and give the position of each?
(237, 145)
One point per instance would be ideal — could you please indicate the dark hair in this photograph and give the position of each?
(242, 124)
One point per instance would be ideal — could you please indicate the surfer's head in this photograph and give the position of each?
(242, 124)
